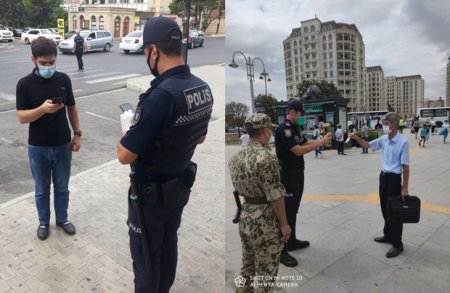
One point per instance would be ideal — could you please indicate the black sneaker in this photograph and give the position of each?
(43, 231)
(287, 259)
(68, 227)
(298, 244)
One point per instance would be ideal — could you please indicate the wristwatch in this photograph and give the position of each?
(77, 133)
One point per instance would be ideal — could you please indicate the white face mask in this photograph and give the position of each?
(386, 129)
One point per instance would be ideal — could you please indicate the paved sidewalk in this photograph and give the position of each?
(97, 258)
(340, 215)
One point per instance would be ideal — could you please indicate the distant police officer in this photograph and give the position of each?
(290, 146)
(79, 47)
(170, 120)
(255, 174)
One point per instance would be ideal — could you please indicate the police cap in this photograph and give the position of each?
(258, 120)
(159, 29)
(295, 104)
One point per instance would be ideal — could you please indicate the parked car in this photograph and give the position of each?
(17, 32)
(35, 33)
(195, 39)
(95, 40)
(6, 34)
(132, 42)
(69, 34)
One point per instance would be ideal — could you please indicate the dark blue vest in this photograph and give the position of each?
(190, 115)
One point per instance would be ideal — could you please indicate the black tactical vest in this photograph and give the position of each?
(191, 112)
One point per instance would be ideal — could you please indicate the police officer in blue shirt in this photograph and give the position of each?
(394, 164)
(170, 120)
(290, 146)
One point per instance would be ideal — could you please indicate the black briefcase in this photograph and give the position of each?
(400, 211)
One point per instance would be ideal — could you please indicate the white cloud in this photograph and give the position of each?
(405, 37)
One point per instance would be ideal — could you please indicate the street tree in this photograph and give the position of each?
(203, 11)
(267, 102)
(235, 114)
(328, 88)
(390, 108)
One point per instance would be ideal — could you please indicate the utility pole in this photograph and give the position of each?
(186, 17)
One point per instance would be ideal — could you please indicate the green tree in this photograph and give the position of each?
(328, 88)
(235, 114)
(267, 102)
(390, 108)
(199, 8)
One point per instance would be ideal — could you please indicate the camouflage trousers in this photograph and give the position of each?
(261, 249)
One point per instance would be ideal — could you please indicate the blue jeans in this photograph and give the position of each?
(47, 164)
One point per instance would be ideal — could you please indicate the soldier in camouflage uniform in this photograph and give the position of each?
(263, 226)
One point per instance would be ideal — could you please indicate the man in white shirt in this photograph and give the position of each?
(244, 138)
(339, 134)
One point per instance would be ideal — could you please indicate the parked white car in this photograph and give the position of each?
(6, 34)
(35, 33)
(95, 41)
(132, 42)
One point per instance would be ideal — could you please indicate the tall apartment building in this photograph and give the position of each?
(117, 16)
(434, 103)
(447, 90)
(405, 94)
(328, 51)
(375, 89)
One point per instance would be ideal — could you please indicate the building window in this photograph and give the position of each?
(331, 74)
(330, 55)
(331, 64)
(313, 28)
(324, 38)
(324, 46)
(324, 64)
(313, 46)
(324, 55)
(330, 37)
(306, 30)
(330, 46)
(325, 74)
(313, 37)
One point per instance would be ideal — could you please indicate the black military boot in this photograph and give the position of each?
(287, 259)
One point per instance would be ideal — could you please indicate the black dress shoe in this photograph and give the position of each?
(382, 239)
(42, 232)
(287, 259)
(394, 251)
(68, 227)
(298, 244)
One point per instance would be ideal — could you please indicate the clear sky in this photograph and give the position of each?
(404, 37)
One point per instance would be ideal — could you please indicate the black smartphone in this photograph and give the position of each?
(57, 100)
(126, 107)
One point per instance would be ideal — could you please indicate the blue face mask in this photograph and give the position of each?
(46, 71)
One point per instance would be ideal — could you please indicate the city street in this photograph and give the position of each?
(99, 91)
(340, 215)
(103, 70)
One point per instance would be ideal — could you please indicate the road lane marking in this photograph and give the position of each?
(7, 97)
(120, 82)
(100, 116)
(77, 91)
(370, 198)
(112, 78)
(99, 94)
(79, 77)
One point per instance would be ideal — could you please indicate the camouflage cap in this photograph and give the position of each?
(258, 120)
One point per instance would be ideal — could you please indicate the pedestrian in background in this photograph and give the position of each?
(444, 130)
(263, 227)
(365, 136)
(401, 124)
(244, 139)
(79, 47)
(44, 99)
(290, 146)
(433, 125)
(416, 126)
(423, 135)
(316, 136)
(339, 134)
(394, 164)
(166, 128)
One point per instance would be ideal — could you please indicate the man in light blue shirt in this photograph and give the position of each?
(394, 163)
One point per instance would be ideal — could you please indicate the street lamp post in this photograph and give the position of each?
(249, 62)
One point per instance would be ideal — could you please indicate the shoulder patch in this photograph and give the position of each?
(137, 116)
(287, 132)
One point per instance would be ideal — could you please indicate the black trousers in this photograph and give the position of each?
(340, 147)
(162, 222)
(390, 186)
(293, 181)
(79, 54)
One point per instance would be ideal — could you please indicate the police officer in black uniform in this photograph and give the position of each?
(290, 146)
(170, 120)
(79, 47)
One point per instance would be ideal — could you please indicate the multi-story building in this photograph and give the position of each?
(434, 103)
(375, 97)
(328, 51)
(447, 90)
(118, 16)
(405, 94)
